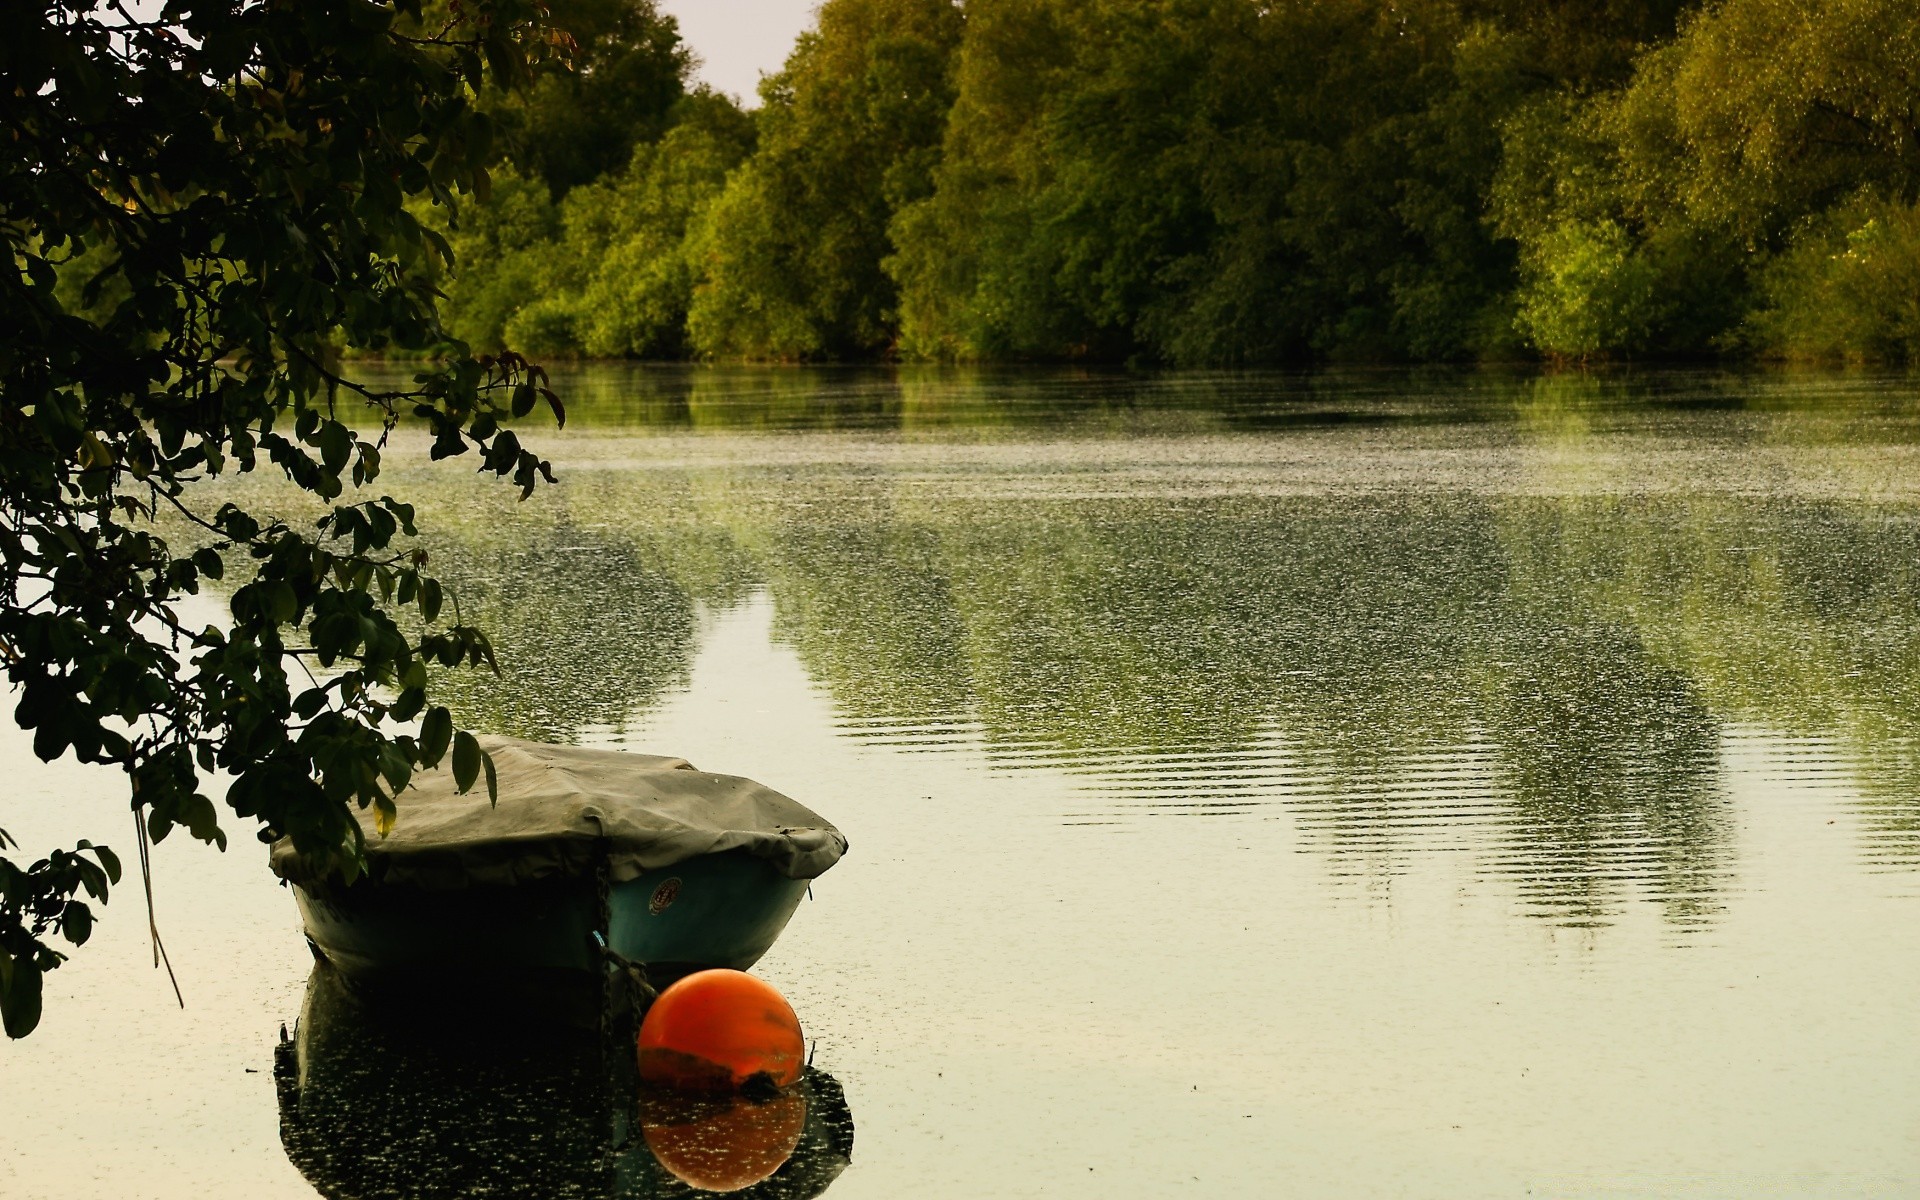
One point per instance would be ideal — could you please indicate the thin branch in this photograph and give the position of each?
(153, 926)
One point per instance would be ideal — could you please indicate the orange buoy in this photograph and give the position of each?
(723, 1145)
(717, 1030)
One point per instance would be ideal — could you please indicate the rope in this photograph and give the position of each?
(153, 926)
(602, 931)
(614, 966)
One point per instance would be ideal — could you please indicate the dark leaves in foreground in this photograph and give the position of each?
(203, 200)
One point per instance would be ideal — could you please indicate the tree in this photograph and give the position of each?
(1847, 287)
(507, 249)
(637, 231)
(1584, 43)
(1754, 181)
(628, 68)
(200, 202)
(608, 270)
(1210, 182)
(849, 132)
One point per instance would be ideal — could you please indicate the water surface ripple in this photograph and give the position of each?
(1361, 784)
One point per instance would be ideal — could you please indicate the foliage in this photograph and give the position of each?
(1847, 287)
(1588, 292)
(637, 232)
(199, 202)
(627, 70)
(1725, 152)
(1212, 182)
(988, 265)
(1204, 181)
(609, 270)
(1585, 44)
(506, 250)
(1787, 107)
(790, 254)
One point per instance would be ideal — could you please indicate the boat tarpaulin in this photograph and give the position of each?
(561, 806)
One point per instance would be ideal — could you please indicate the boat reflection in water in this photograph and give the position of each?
(391, 1103)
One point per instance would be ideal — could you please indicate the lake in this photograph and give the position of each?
(1355, 784)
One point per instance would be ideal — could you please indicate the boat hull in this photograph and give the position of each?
(716, 910)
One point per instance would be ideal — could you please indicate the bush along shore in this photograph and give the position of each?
(1219, 183)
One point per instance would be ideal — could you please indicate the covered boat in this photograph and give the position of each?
(589, 857)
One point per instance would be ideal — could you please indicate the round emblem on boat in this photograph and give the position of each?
(664, 895)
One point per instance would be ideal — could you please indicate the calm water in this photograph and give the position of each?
(1358, 785)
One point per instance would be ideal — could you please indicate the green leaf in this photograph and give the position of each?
(395, 767)
(203, 821)
(466, 760)
(92, 879)
(336, 446)
(407, 704)
(436, 728)
(20, 1002)
(282, 604)
(439, 244)
(76, 922)
(448, 444)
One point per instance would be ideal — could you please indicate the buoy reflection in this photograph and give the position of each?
(787, 1147)
(723, 1146)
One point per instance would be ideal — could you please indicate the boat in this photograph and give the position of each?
(590, 863)
(425, 1103)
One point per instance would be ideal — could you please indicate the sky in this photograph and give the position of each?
(737, 40)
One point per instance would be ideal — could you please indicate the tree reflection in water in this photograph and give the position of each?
(1540, 664)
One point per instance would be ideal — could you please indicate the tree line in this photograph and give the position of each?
(1219, 183)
